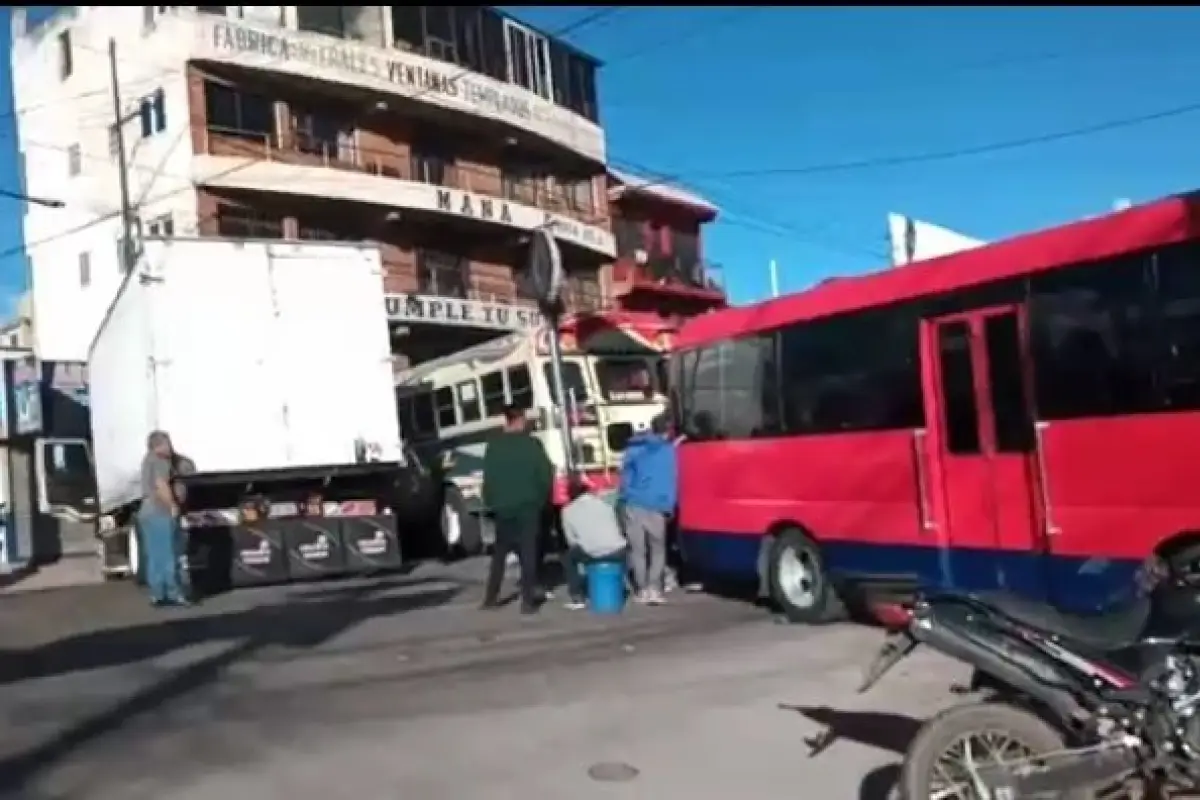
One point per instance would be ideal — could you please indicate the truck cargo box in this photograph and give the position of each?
(253, 356)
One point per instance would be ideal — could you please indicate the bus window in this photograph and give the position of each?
(492, 386)
(423, 417)
(573, 382)
(443, 403)
(468, 401)
(626, 380)
(65, 474)
(520, 387)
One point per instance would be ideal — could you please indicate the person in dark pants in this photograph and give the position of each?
(517, 479)
(181, 465)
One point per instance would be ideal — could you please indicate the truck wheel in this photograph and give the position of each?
(461, 532)
(799, 583)
(133, 550)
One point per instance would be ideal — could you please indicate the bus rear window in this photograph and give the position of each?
(627, 380)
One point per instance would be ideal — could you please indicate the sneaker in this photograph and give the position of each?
(574, 605)
(642, 597)
(655, 598)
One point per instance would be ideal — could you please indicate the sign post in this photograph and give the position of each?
(546, 274)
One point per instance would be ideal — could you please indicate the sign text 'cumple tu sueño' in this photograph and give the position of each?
(461, 313)
(355, 61)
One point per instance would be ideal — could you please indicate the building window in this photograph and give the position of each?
(528, 56)
(329, 20)
(85, 270)
(66, 64)
(431, 164)
(322, 135)
(234, 112)
(574, 81)
(247, 223)
(162, 226)
(441, 274)
(153, 114)
(579, 196)
(74, 160)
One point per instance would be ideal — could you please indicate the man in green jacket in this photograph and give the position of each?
(517, 480)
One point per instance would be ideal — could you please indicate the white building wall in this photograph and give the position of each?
(55, 115)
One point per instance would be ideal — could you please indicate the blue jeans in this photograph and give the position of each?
(162, 563)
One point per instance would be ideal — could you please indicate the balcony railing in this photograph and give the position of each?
(670, 272)
(306, 150)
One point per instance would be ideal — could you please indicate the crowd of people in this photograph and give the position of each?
(518, 479)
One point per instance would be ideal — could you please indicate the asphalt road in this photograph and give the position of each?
(400, 687)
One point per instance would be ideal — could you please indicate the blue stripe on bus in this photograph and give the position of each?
(1072, 583)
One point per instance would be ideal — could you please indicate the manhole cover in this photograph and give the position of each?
(612, 772)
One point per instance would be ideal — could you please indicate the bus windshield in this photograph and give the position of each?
(574, 383)
(630, 379)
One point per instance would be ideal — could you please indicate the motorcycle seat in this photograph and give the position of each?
(1107, 631)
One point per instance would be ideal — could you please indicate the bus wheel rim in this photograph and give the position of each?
(798, 577)
(451, 526)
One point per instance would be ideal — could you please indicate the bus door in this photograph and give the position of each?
(982, 448)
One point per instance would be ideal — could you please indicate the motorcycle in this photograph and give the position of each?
(1075, 707)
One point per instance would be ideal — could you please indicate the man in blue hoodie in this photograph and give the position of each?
(647, 499)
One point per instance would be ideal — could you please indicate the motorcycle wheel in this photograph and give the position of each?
(973, 734)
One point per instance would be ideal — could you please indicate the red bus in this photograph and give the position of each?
(1025, 416)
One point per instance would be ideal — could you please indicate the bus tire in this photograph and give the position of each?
(460, 529)
(798, 581)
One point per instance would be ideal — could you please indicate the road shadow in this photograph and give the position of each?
(879, 729)
(303, 622)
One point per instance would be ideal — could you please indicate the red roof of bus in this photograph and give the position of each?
(1166, 221)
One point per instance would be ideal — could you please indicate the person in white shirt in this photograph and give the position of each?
(593, 534)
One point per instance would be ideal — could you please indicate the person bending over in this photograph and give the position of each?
(593, 534)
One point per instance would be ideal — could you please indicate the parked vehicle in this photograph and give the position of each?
(1067, 706)
(450, 406)
(269, 364)
(1023, 416)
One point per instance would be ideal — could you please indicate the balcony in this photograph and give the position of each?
(335, 167)
(683, 277)
(463, 80)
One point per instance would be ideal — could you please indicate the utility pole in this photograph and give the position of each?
(128, 220)
(774, 272)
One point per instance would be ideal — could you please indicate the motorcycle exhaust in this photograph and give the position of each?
(1089, 770)
(965, 647)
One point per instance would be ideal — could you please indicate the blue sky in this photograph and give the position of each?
(703, 92)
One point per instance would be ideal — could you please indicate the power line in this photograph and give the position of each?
(964, 152)
(680, 37)
(753, 221)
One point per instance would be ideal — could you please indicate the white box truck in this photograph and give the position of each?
(269, 365)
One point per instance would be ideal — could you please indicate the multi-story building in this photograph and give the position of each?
(446, 134)
(660, 265)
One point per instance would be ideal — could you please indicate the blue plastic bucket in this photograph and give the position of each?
(606, 587)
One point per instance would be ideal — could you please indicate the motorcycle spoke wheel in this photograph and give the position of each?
(956, 770)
